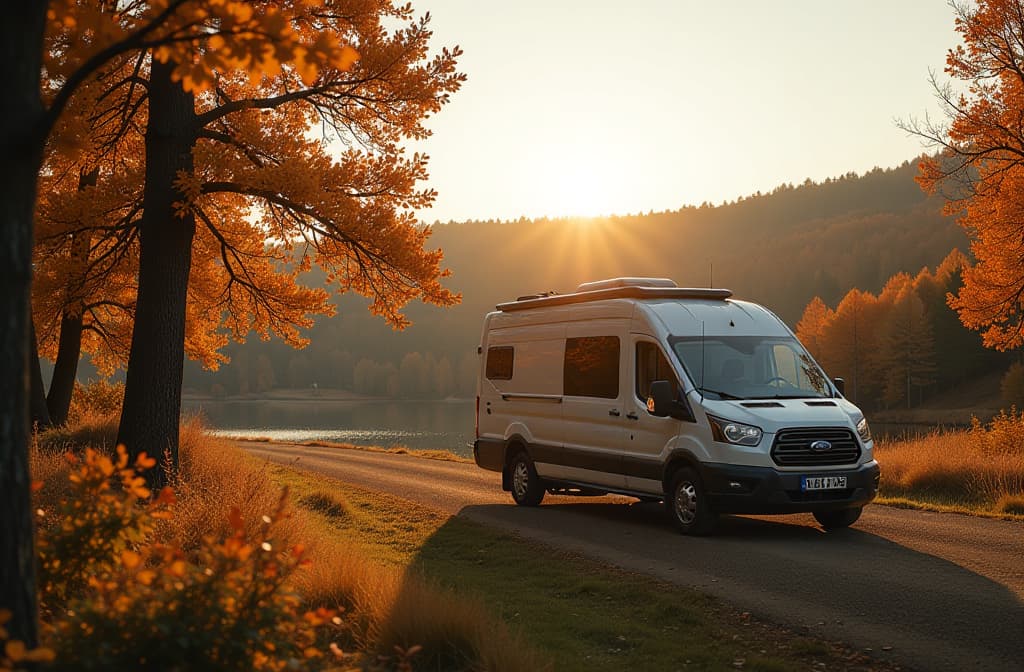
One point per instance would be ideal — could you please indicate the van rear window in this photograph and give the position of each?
(500, 361)
(591, 367)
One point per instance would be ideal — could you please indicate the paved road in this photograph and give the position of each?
(944, 591)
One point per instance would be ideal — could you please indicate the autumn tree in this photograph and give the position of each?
(811, 327)
(848, 340)
(70, 40)
(981, 163)
(907, 350)
(85, 253)
(245, 148)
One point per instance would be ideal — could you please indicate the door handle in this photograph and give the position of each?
(614, 412)
(632, 416)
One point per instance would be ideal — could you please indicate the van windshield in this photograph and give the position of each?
(751, 367)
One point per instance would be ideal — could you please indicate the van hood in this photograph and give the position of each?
(772, 415)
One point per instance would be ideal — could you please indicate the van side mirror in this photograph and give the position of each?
(840, 385)
(659, 402)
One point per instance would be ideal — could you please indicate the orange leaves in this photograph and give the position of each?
(985, 158)
(130, 559)
(256, 39)
(202, 37)
(264, 181)
(113, 597)
(16, 653)
(235, 519)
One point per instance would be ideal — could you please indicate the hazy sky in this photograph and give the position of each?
(597, 107)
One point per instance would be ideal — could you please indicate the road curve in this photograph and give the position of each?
(931, 591)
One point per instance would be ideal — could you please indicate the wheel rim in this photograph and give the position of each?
(686, 503)
(520, 479)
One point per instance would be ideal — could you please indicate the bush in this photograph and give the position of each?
(386, 615)
(117, 601)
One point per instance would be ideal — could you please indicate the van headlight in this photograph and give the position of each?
(863, 431)
(727, 431)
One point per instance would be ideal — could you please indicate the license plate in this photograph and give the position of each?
(822, 483)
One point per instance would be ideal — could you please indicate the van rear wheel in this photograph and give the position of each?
(836, 520)
(527, 488)
(687, 504)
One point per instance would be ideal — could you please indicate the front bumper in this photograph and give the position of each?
(736, 489)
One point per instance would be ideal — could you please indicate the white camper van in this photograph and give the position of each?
(640, 387)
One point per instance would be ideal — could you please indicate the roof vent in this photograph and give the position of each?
(615, 283)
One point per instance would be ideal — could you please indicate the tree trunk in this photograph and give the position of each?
(152, 398)
(40, 415)
(21, 125)
(69, 348)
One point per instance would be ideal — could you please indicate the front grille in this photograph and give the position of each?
(792, 447)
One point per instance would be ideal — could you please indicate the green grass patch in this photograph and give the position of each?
(442, 455)
(581, 614)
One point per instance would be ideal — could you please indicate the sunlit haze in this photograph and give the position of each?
(585, 108)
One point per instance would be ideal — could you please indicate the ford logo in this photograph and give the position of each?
(820, 446)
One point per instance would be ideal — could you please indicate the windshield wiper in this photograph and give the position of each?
(722, 395)
(787, 396)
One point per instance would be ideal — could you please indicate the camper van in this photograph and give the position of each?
(639, 387)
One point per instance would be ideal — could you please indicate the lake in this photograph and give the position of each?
(418, 425)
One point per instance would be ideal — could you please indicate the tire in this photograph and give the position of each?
(687, 504)
(836, 520)
(527, 488)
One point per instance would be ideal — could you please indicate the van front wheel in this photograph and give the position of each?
(527, 489)
(688, 505)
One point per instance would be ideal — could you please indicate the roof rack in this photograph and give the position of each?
(617, 288)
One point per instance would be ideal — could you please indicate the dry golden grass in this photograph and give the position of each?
(95, 430)
(384, 606)
(979, 469)
(443, 455)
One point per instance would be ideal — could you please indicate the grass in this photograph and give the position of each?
(980, 470)
(385, 606)
(443, 455)
(579, 613)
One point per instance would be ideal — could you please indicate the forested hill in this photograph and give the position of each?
(780, 249)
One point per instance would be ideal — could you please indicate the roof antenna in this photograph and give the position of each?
(711, 279)
(701, 389)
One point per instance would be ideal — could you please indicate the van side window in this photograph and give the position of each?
(651, 365)
(591, 367)
(499, 362)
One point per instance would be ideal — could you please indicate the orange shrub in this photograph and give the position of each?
(97, 399)
(117, 601)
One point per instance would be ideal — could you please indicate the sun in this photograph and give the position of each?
(574, 185)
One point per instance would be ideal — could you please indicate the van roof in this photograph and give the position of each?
(617, 288)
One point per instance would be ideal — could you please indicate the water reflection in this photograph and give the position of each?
(419, 425)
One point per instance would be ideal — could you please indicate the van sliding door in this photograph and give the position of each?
(592, 404)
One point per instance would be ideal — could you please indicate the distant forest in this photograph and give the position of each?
(780, 249)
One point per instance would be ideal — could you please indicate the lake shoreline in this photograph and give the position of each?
(435, 424)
